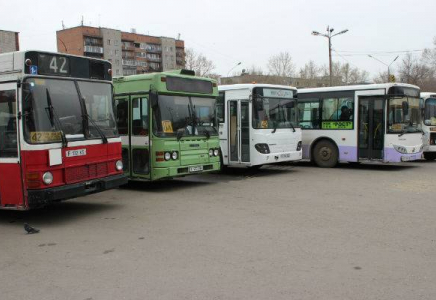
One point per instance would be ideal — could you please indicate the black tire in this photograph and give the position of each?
(255, 168)
(430, 156)
(325, 154)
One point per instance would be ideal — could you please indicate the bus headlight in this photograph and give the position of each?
(119, 165)
(262, 148)
(211, 152)
(175, 155)
(167, 156)
(299, 146)
(400, 149)
(47, 178)
(216, 152)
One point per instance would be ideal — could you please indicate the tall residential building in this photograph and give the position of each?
(129, 52)
(9, 41)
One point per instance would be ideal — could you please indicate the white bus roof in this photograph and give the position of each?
(428, 95)
(360, 87)
(250, 86)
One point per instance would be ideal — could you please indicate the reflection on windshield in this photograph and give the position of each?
(430, 112)
(404, 115)
(274, 113)
(186, 115)
(97, 97)
(52, 107)
(38, 95)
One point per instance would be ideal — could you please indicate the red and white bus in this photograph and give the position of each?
(58, 134)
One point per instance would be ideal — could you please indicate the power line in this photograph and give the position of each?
(381, 52)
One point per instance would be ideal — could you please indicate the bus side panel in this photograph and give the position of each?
(11, 188)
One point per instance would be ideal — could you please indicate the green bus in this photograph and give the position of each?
(167, 124)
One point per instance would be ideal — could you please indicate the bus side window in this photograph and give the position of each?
(8, 124)
(309, 114)
(140, 117)
(122, 115)
(220, 111)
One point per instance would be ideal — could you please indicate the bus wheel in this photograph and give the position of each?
(325, 154)
(430, 156)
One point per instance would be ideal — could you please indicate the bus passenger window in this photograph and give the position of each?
(122, 110)
(220, 111)
(8, 124)
(140, 117)
(309, 114)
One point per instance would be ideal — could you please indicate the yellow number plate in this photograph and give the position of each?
(45, 136)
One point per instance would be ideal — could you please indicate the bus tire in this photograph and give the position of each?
(430, 156)
(325, 154)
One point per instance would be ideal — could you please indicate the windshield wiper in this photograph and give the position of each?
(180, 133)
(100, 132)
(402, 133)
(54, 119)
(275, 128)
(292, 125)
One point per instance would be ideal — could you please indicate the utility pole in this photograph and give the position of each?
(329, 35)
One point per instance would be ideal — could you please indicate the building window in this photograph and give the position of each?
(116, 52)
(108, 41)
(116, 42)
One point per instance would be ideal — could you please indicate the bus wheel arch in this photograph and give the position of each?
(324, 152)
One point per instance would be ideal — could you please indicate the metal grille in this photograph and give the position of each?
(86, 172)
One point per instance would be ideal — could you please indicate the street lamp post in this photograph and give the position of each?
(239, 63)
(329, 36)
(389, 73)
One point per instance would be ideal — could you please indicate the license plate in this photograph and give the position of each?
(195, 169)
(78, 152)
(286, 155)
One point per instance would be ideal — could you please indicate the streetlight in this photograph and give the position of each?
(389, 74)
(239, 63)
(329, 36)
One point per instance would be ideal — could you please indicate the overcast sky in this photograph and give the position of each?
(247, 31)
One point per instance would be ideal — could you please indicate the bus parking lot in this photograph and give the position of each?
(282, 232)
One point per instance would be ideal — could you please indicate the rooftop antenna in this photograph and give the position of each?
(99, 25)
(178, 36)
(82, 20)
(63, 25)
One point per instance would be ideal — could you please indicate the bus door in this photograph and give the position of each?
(239, 132)
(11, 185)
(371, 127)
(139, 136)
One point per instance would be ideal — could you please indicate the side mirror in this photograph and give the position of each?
(405, 107)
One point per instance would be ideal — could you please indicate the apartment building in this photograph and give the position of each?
(9, 41)
(130, 52)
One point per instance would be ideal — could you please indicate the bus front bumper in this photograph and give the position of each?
(171, 172)
(38, 198)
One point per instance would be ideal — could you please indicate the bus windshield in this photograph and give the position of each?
(52, 108)
(430, 112)
(404, 115)
(270, 113)
(189, 115)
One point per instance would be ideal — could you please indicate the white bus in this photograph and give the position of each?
(374, 122)
(258, 124)
(429, 125)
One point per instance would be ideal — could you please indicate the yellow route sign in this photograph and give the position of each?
(45, 136)
(167, 126)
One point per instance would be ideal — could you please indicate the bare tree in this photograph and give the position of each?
(414, 71)
(429, 56)
(345, 74)
(254, 70)
(382, 77)
(199, 63)
(281, 65)
(310, 70)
